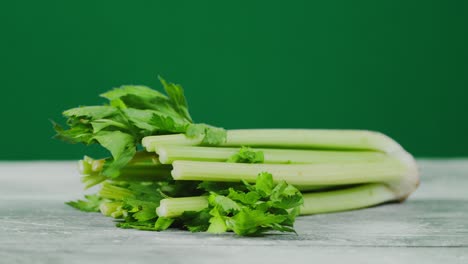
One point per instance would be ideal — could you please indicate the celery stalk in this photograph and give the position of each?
(346, 199)
(169, 153)
(314, 203)
(172, 207)
(288, 138)
(296, 174)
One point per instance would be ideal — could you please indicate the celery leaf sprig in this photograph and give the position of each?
(246, 209)
(133, 112)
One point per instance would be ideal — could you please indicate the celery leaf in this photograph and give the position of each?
(91, 204)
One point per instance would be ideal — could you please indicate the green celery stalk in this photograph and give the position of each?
(288, 138)
(170, 153)
(314, 203)
(173, 207)
(347, 199)
(296, 174)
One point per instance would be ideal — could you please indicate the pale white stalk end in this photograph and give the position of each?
(163, 157)
(410, 182)
(161, 211)
(175, 172)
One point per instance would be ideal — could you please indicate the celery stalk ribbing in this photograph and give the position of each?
(288, 138)
(347, 199)
(296, 174)
(170, 153)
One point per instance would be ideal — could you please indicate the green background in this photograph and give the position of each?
(400, 67)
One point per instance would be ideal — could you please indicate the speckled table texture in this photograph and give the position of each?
(37, 227)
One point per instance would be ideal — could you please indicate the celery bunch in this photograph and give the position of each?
(203, 178)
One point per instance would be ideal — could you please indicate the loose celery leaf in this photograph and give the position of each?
(214, 136)
(196, 221)
(177, 98)
(247, 155)
(163, 223)
(142, 98)
(121, 146)
(79, 133)
(167, 123)
(281, 227)
(286, 196)
(140, 118)
(124, 90)
(217, 221)
(210, 135)
(141, 210)
(264, 184)
(101, 124)
(91, 112)
(249, 198)
(152, 121)
(91, 204)
(252, 222)
(147, 225)
(223, 203)
(115, 141)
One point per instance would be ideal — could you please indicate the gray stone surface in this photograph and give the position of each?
(36, 227)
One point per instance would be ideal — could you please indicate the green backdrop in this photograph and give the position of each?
(400, 67)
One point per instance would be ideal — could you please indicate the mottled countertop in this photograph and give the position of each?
(37, 227)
